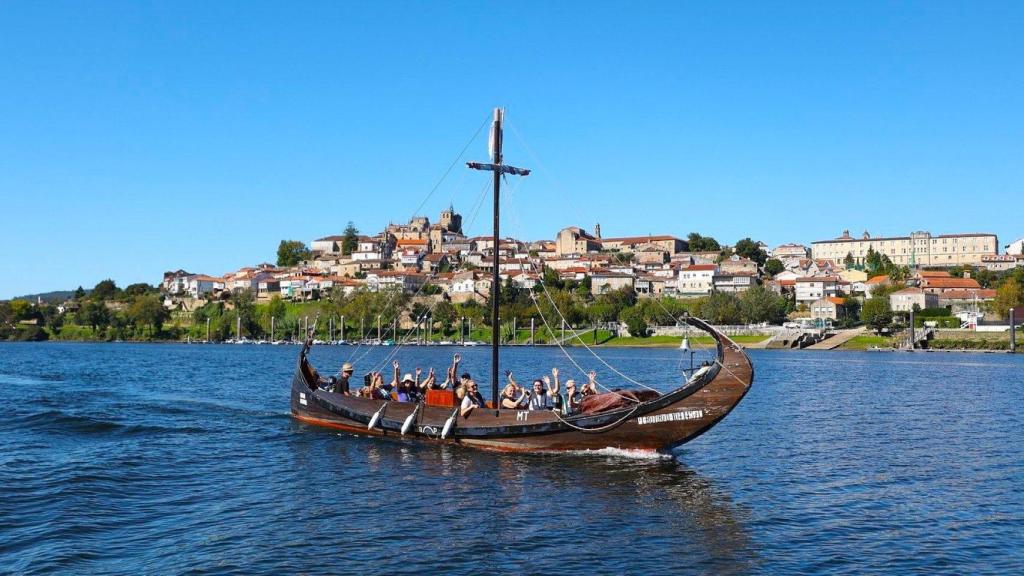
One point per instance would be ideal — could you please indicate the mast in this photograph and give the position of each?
(498, 169)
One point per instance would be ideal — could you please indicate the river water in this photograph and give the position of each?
(167, 459)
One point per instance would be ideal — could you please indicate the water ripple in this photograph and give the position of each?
(183, 459)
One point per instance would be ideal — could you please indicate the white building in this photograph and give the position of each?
(697, 279)
(813, 288)
(200, 285)
(905, 300)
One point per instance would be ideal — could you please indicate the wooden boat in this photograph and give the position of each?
(638, 420)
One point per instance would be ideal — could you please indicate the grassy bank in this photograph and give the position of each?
(865, 341)
(675, 341)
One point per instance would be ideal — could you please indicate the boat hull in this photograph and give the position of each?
(673, 419)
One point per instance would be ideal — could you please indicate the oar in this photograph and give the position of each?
(376, 417)
(449, 423)
(408, 421)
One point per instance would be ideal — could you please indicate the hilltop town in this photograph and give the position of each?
(408, 256)
(626, 285)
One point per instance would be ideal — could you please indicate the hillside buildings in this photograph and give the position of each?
(918, 249)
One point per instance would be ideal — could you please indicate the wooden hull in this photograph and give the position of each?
(661, 424)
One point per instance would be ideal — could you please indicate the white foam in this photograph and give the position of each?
(631, 453)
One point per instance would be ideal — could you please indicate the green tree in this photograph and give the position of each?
(291, 252)
(760, 304)
(876, 313)
(139, 289)
(148, 310)
(79, 293)
(1009, 295)
(445, 314)
(94, 314)
(105, 290)
(721, 308)
(873, 262)
(351, 239)
(773, 266)
(276, 308)
(896, 273)
(700, 243)
(20, 309)
(848, 261)
(749, 249)
(635, 322)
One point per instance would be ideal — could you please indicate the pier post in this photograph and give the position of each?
(515, 331)
(533, 333)
(1013, 331)
(271, 328)
(342, 328)
(207, 330)
(911, 346)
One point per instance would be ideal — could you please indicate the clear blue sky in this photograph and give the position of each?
(139, 137)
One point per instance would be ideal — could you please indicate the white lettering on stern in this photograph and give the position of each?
(671, 417)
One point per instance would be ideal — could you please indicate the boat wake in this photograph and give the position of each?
(628, 453)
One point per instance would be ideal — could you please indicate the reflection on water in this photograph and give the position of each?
(170, 459)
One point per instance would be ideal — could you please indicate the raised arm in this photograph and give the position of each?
(394, 380)
(429, 381)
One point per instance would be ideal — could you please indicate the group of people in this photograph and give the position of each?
(545, 393)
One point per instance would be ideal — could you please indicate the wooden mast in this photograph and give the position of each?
(495, 280)
(498, 169)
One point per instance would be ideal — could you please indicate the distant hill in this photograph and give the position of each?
(55, 297)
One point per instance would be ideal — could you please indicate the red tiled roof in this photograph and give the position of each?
(878, 279)
(701, 267)
(950, 283)
(982, 294)
(835, 300)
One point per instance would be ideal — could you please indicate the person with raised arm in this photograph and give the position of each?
(513, 397)
(428, 383)
(554, 392)
(590, 388)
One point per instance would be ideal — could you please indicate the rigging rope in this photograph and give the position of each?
(352, 357)
(544, 289)
(392, 326)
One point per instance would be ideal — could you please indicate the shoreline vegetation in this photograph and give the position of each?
(568, 314)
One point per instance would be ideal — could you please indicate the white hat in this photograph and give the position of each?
(407, 378)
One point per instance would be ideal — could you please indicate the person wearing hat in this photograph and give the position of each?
(341, 384)
(406, 390)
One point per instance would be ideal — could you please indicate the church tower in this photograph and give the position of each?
(451, 221)
(597, 231)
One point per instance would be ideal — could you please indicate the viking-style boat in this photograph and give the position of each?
(640, 419)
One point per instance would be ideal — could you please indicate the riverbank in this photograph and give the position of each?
(859, 343)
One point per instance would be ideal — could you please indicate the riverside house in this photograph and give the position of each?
(813, 288)
(905, 300)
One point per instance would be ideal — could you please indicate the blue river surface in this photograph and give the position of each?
(178, 459)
